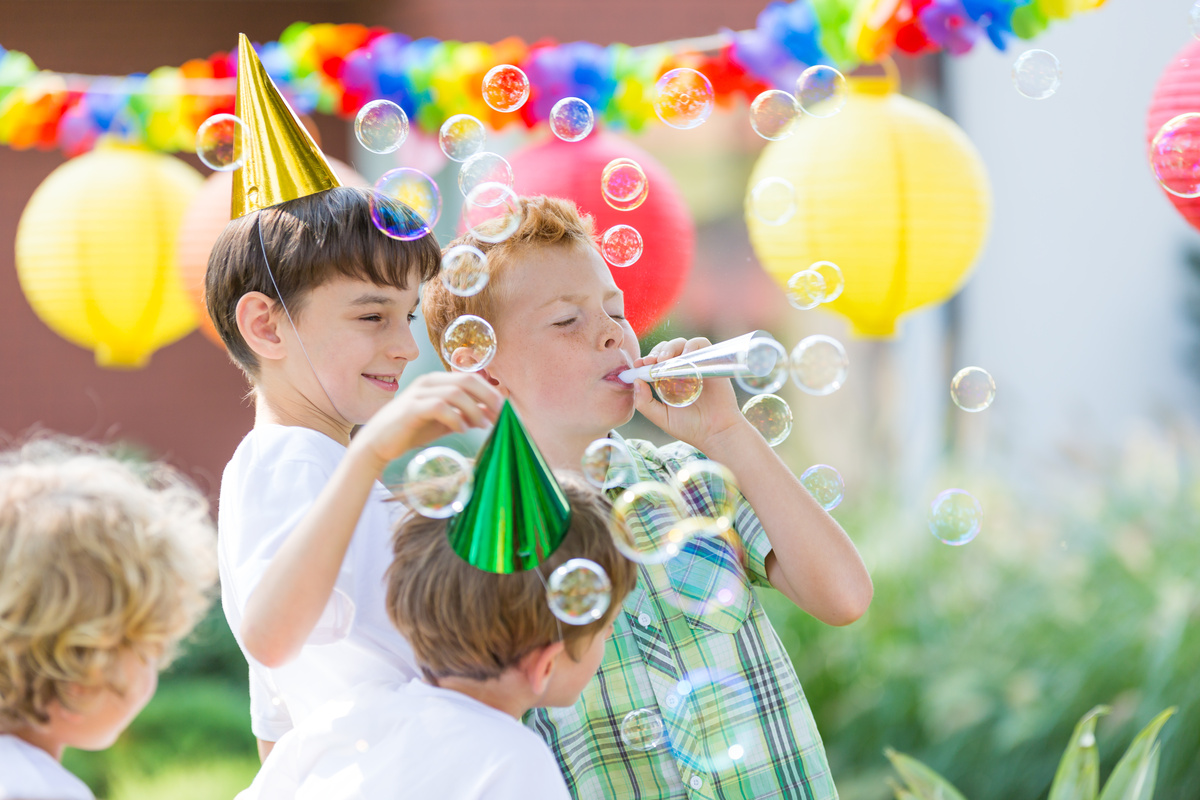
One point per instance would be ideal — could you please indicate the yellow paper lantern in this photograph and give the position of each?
(96, 252)
(891, 191)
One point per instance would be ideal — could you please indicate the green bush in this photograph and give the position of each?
(978, 659)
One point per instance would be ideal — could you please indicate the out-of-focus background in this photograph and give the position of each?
(1081, 588)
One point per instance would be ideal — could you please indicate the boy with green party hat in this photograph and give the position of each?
(500, 622)
(314, 304)
(696, 697)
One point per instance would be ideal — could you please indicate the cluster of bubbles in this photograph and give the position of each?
(683, 98)
(505, 88)
(437, 482)
(468, 343)
(825, 484)
(623, 184)
(571, 119)
(955, 517)
(652, 521)
(821, 283)
(219, 142)
(1036, 74)
(621, 245)
(578, 591)
(381, 126)
(406, 203)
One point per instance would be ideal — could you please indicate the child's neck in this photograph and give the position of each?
(42, 740)
(509, 693)
(275, 405)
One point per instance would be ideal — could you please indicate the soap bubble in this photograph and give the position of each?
(825, 484)
(821, 91)
(469, 343)
(219, 142)
(381, 126)
(773, 201)
(578, 591)
(608, 463)
(621, 245)
(1194, 16)
(768, 366)
(774, 115)
(642, 729)
(835, 284)
(437, 482)
(955, 517)
(484, 168)
(681, 387)
(571, 119)
(806, 289)
(770, 416)
(1175, 155)
(972, 389)
(491, 220)
(710, 492)
(623, 184)
(505, 87)
(419, 199)
(683, 98)
(464, 270)
(720, 714)
(819, 365)
(1036, 74)
(646, 522)
(461, 137)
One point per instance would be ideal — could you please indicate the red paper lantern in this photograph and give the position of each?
(206, 216)
(1177, 92)
(572, 170)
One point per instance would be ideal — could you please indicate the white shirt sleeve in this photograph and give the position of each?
(530, 772)
(269, 716)
(279, 776)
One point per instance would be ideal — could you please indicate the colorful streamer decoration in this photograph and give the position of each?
(336, 69)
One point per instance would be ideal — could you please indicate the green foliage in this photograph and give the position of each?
(977, 659)
(1133, 778)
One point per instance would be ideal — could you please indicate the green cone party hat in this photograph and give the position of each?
(518, 514)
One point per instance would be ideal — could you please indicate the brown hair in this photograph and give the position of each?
(545, 221)
(309, 241)
(468, 623)
(97, 557)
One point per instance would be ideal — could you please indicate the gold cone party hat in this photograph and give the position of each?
(282, 162)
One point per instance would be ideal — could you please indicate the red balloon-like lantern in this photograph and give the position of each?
(572, 170)
(1177, 92)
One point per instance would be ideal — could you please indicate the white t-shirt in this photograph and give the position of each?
(414, 741)
(30, 773)
(272, 480)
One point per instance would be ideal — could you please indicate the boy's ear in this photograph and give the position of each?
(538, 666)
(258, 325)
(491, 379)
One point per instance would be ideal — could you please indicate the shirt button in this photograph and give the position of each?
(696, 782)
(672, 701)
(644, 620)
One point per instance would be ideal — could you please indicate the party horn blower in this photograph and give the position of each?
(756, 353)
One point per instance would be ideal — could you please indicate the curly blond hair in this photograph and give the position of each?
(97, 557)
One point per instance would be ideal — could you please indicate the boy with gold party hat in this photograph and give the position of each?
(508, 607)
(314, 304)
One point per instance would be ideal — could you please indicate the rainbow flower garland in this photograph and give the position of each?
(335, 69)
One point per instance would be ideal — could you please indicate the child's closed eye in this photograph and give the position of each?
(564, 323)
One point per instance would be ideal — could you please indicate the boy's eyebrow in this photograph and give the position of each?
(577, 298)
(371, 300)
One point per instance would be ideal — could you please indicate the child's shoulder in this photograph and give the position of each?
(273, 445)
(26, 771)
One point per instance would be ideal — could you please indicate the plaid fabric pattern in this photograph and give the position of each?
(694, 646)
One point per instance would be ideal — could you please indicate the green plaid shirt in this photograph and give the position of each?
(694, 647)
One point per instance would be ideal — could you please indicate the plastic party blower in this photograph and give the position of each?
(755, 353)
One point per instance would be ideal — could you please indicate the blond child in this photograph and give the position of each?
(314, 302)
(104, 567)
(489, 649)
(693, 645)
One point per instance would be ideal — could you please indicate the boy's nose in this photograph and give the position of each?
(405, 347)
